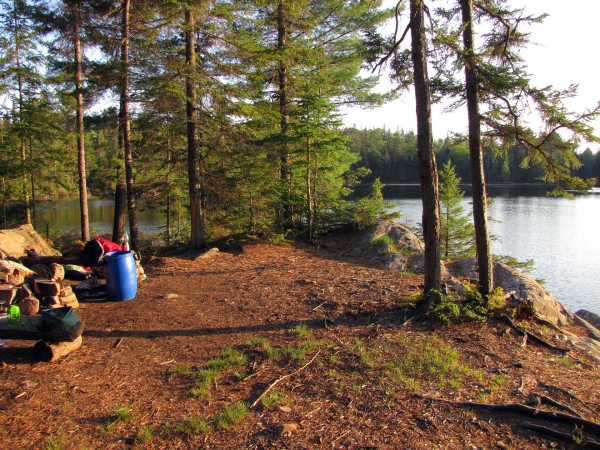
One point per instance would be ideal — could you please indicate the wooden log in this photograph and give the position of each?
(52, 351)
(29, 306)
(70, 300)
(7, 294)
(24, 292)
(67, 290)
(46, 287)
(51, 301)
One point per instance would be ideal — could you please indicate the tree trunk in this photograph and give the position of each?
(197, 219)
(22, 134)
(120, 205)
(480, 218)
(126, 128)
(427, 166)
(33, 211)
(285, 160)
(85, 224)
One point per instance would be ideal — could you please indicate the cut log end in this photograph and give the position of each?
(51, 351)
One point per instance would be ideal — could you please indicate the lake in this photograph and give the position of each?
(560, 235)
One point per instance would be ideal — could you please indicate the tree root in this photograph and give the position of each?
(568, 394)
(538, 399)
(272, 385)
(525, 410)
(551, 432)
(532, 336)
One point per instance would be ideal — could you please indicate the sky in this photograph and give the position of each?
(564, 50)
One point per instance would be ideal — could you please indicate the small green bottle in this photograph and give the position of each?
(13, 314)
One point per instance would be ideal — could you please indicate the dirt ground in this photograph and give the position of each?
(291, 347)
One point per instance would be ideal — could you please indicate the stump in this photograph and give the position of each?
(52, 351)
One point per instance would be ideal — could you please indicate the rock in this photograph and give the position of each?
(416, 264)
(207, 254)
(401, 238)
(393, 261)
(590, 317)
(464, 268)
(16, 240)
(540, 302)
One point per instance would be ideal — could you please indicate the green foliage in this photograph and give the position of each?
(231, 415)
(426, 360)
(144, 434)
(470, 306)
(524, 266)
(123, 413)
(457, 231)
(272, 399)
(229, 358)
(195, 425)
(368, 210)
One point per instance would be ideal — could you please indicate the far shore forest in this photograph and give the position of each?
(230, 110)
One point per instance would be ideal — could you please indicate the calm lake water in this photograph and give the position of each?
(560, 235)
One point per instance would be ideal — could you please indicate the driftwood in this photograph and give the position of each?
(272, 385)
(51, 351)
(525, 410)
(551, 432)
(532, 336)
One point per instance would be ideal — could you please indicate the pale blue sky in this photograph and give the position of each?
(565, 51)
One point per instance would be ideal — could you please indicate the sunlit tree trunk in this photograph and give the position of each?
(426, 156)
(197, 219)
(480, 218)
(126, 127)
(83, 204)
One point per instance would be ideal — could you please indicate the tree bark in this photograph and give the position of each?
(21, 111)
(285, 160)
(52, 351)
(126, 128)
(480, 217)
(428, 174)
(83, 204)
(120, 206)
(196, 211)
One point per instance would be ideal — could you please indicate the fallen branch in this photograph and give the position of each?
(118, 343)
(272, 385)
(532, 336)
(538, 398)
(523, 409)
(566, 436)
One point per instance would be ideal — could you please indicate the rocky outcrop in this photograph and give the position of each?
(16, 241)
(390, 253)
(401, 238)
(590, 317)
(544, 305)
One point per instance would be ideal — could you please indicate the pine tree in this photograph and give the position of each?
(457, 232)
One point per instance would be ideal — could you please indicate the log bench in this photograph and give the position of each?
(51, 345)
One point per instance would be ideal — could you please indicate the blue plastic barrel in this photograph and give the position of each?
(121, 275)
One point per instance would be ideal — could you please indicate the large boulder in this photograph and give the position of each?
(544, 305)
(14, 242)
(401, 239)
(590, 317)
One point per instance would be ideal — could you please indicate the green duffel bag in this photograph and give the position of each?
(57, 319)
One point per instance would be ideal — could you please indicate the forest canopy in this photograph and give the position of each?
(267, 151)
